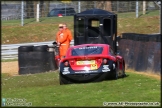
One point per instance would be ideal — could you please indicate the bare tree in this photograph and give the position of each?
(105, 5)
(100, 4)
(35, 8)
(29, 9)
(108, 6)
(47, 5)
(42, 13)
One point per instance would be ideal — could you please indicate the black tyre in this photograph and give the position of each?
(136, 37)
(158, 38)
(123, 72)
(143, 38)
(25, 48)
(119, 73)
(114, 71)
(56, 51)
(152, 38)
(128, 36)
(42, 48)
(115, 74)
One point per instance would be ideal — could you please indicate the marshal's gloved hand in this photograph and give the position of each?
(54, 43)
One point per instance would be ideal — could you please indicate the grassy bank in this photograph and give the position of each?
(8, 60)
(45, 30)
(44, 90)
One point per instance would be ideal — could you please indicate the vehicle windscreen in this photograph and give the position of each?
(86, 50)
(53, 12)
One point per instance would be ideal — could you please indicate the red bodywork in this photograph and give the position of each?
(57, 59)
(97, 58)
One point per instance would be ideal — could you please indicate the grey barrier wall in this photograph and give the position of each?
(141, 52)
(10, 51)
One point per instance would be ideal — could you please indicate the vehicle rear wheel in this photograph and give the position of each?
(115, 73)
(123, 72)
(63, 81)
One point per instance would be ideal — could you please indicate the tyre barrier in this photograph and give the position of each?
(142, 37)
(35, 59)
(25, 48)
(42, 48)
(141, 53)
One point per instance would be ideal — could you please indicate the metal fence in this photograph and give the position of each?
(12, 9)
(10, 51)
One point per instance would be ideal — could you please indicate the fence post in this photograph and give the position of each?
(22, 13)
(160, 18)
(79, 6)
(37, 18)
(144, 7)
(158, 2)
(137, 9)
(65, 9)
(117, 6)
(95, 4)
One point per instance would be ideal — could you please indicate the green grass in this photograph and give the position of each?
(8, 60)
(44, 90)
(33, 20)
(140, 14)
(46, 29)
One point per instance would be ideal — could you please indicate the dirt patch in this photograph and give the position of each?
(149, 74)
(9, 67)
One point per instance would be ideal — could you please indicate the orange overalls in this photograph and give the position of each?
(62, 38)
(70, 37)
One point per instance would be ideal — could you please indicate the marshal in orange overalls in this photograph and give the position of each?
(62, 38)
(70, 37)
